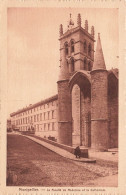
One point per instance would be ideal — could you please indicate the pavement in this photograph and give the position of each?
(108, 156)
(111, 156)
(60, 151)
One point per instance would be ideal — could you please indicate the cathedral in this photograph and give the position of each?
(87, 91)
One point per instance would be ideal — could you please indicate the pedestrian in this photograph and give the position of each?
(77, 152)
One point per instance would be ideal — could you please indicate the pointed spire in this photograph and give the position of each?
(92, 31)
(70, 23)
(61, 30)
(86, 25)
(99, 62)
(79, 20)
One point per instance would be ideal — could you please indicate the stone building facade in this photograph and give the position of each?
(86, 107)
(41, 116)
(87, 92)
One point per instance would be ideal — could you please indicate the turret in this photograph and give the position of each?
(79, 20)
(92, 31)
(86, 25)
(99, 101)
(61, 30)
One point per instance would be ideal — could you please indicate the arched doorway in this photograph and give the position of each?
(81, 109)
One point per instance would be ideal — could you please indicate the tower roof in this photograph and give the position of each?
(70, 23)
(99, 62)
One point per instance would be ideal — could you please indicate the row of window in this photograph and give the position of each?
(87, 48)
(44, 127)
(86, 65)
(36, 109)
(36, 118)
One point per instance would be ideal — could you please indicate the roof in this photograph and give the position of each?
(99, 62)
(115, 71)
(50, 99)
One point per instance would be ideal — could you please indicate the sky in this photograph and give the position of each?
(33, 49)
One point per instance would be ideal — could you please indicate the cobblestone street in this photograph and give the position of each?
(34, 165)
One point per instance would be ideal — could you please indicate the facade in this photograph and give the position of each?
(87, 92)
(42, 117)
(85, 111)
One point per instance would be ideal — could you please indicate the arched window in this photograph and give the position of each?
(72, 65)
(67, 65)
(85, 64)
(66, 48)
(72, 46)
(89, 50)
(89, 66)
(85, 46)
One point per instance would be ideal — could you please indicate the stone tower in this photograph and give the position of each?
(99, 101)
(76, 53)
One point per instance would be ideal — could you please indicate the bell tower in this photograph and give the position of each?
(76, 53)
(76, 48)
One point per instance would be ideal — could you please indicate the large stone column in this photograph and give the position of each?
(64, 113)
(99, 110)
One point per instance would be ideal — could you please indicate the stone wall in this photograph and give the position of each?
(99, 110)
(76, 115)
(113, 123)
(113, 110)
(64, 113)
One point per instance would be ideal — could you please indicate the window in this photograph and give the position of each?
(41, 117)
(34, 118)
(89, 66)
(37, 117)
(53, 127)
(72, 46)
(85, 46)
(48, 127)
(44, 115)
(48, 115)
(85, 64)
(66, 48)
(72, 65)
(44, 126)
(52, 114)
(89, 50)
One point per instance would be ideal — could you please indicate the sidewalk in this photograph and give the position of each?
(60, 151)
(108, 156)
(93, 155)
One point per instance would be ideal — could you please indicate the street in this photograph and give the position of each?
(34, 165)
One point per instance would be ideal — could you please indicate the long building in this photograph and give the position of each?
(42, 117)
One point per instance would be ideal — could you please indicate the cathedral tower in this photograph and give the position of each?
(76, 53)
